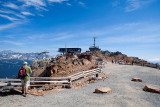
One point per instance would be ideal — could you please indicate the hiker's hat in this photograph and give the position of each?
(25, 63)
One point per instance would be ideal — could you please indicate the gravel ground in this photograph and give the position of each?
(125, 93)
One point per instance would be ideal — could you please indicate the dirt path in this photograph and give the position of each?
(125, 93)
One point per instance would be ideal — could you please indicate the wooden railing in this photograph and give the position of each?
(41, 81)
(84, 74)
(35, 81)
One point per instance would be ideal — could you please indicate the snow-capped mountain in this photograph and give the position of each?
(10, 62)
(8, 54)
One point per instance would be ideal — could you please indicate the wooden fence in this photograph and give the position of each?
(54, 81)
(84, 74)
(37, 81)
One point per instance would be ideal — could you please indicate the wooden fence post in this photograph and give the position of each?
(83, 75)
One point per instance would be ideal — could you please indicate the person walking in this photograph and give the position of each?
(112, 61)
(26, 80)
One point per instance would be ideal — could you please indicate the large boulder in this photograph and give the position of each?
(75, 62)
(136, 79)
(151, 88)
(54, 69)
(103, 90)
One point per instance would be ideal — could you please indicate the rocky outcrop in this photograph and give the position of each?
(61, 66)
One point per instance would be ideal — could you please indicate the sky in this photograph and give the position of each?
(129, 26)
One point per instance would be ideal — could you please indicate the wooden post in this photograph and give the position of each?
(83, 74)
(69, 83)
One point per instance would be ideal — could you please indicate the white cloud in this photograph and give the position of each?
(133, 34)
(11, 5)
(23, 10)
(129, 33)
(153, 60)
(24, 7)
(136, 4)
(68, 4)
(57, 1)
(27, 13)
(36, 37)
(60, 36)
(130, 38)
(12, 42)
(7, 17)
(12, 13)
(11, 25)
(18, 15)
(34, 2)
(82, 4)
(38, 4)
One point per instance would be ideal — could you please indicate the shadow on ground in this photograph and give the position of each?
(10, 92)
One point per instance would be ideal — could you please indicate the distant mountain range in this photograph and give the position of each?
(8, 54)
(11, 61)
(154, 62)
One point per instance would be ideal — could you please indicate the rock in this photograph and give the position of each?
(151, 88)
(100, 78)
(39, 91)
(36, 92)
(92, 78)
(34, 64)
(75, 62)
(136, 79)
(91, 81)
(42, 64)
(103, 90)
(68, 86)
(69, 66)
(86, 62)
(61, 59)
(54, 69)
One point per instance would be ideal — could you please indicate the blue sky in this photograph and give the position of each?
(129, 26)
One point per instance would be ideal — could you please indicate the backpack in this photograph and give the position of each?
(22, 73)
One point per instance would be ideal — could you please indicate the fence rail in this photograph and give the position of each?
(37, 81)
(41, 81)
(84, 74)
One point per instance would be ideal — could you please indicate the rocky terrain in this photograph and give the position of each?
(67, 65)
(62, 66)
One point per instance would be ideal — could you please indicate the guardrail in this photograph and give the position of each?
(54, 81)
(35, 81)
(84, 74)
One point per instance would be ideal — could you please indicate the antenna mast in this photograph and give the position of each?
(94, 42)
(66, 48)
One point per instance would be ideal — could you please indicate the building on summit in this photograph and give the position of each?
(94, 47)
